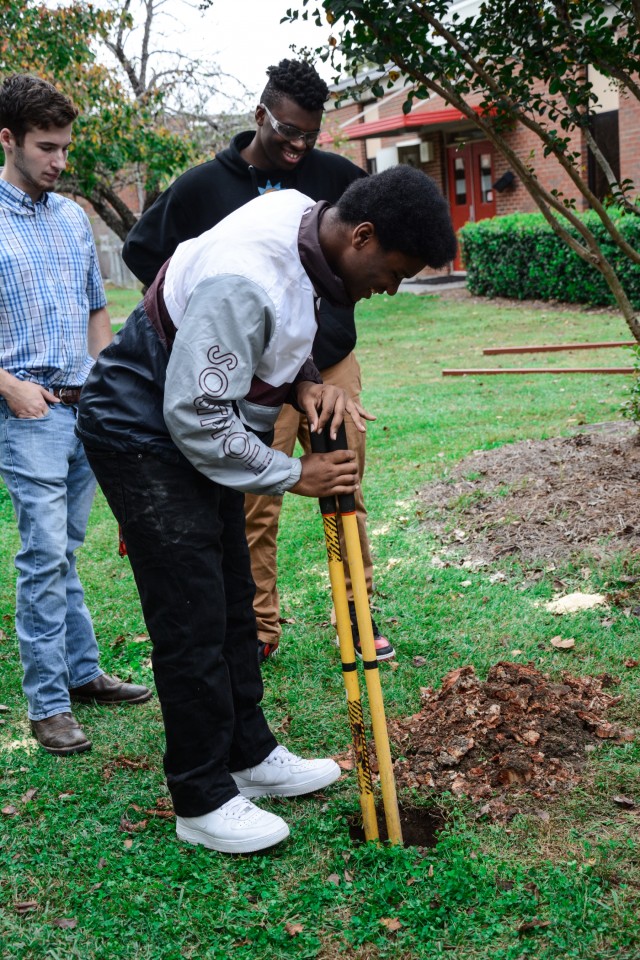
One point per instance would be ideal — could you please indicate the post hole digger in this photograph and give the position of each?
(330, 507)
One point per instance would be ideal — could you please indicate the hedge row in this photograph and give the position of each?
(520, 256)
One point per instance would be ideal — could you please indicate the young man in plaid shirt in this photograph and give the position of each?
(53, 323)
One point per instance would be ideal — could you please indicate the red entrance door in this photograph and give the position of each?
(471, 194)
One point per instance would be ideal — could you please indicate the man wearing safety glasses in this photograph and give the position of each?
(278, 155)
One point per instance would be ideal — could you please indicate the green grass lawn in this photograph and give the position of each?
(120, 302)
(88, 848)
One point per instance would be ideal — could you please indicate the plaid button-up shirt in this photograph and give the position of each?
(49, 282)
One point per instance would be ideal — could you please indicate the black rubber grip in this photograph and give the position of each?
(319, 445)
(346, 501)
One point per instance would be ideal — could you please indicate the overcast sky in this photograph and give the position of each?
(245, 36)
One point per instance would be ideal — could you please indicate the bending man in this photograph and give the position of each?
(176, 417)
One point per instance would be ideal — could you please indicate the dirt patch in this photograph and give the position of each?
(516, 740)
(420, 826)
(542, 499)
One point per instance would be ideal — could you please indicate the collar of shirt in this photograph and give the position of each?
(326, 284)
(16, 200)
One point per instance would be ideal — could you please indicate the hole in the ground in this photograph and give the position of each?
(420, 826)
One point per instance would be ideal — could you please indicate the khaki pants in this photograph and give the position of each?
(263, 513)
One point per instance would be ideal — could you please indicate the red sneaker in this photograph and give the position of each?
(266, 650)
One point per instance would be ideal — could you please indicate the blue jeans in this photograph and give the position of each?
(51, 486)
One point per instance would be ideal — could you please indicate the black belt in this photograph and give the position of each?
(67, 395)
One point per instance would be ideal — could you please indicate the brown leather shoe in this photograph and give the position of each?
(60, 735)
(107, 690)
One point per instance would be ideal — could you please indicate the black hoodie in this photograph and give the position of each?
(206, 194)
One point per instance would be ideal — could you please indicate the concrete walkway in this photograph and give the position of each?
(433, 285)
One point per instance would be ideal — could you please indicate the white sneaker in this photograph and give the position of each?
(238, 826)
(283, 774)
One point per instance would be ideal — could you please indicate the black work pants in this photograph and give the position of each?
(186, 542)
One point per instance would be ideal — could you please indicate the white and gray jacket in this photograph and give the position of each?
(205, 362)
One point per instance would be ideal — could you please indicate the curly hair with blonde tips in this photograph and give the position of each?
(298, 80)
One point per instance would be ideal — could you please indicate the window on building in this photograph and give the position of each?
(460, 184)
(485, 177)
(604, 127)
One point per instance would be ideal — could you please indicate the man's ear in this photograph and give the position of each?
(362, 235)
(259, 115)
(7, 139)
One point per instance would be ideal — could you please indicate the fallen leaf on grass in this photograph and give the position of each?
(289, 620)
(293, 929)
(3, 707)
(630, 664)
(391, 923)
(25, 906)
(532, 925)
(419, 662)
(345, 763)
(9, 811)
(65, 923)
(124, 763)
(128, 843)
(128, 827)
(561, 643)
(334, 879)
(574, 602)
(29, 795)
(625, 802)
(166, 813)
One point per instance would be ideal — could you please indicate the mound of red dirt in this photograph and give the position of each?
(516, 740)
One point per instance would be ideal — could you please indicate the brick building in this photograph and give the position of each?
(473, 176)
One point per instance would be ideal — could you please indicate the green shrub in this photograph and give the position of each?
(520, 256)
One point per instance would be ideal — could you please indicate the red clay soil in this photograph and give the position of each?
(508, 744)
(519, 739)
